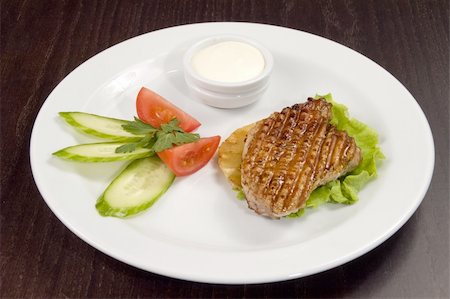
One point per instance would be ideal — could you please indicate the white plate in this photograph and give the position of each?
(198, 230)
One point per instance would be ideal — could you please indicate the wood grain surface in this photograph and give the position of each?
(43, 41)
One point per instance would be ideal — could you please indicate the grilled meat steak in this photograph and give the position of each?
(292, 152)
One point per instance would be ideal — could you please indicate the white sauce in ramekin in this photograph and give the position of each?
(228, 62)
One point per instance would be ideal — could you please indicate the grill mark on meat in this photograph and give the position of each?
(292, 187)
(335, 155)
(301, 154)
(279, 171)
(288, 193)
(266, 152)
(282, 171)
(323, 160)
(279, 150)
(343, 154)
(255, 145)
(349, 151)
(315, 150)
(332, 147)
(278, 182)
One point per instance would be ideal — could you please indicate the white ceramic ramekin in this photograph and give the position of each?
(225, 94)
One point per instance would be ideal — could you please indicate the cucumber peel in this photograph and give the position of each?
(99, 126)
(101, 152)
(136, 188)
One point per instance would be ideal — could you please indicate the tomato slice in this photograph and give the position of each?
(155, 110)
(187, 158)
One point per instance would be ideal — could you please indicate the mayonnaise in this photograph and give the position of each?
(228, 62)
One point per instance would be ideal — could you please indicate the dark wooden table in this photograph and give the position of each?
(43, 41)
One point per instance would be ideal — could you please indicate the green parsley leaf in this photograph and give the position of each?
(167, 136)
(164, 141)
(167, 140)
(181, 138)
(138, 127)
(147, 142)
(126, 148)
(171, 126)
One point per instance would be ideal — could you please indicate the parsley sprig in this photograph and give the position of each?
(167, 136)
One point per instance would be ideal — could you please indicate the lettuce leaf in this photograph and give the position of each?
(345, 189)
(239, 193)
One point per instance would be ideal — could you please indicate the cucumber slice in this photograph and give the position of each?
(136, 188)
(101, 152)
(99, 126)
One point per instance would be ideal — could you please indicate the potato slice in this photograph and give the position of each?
(230, 155)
